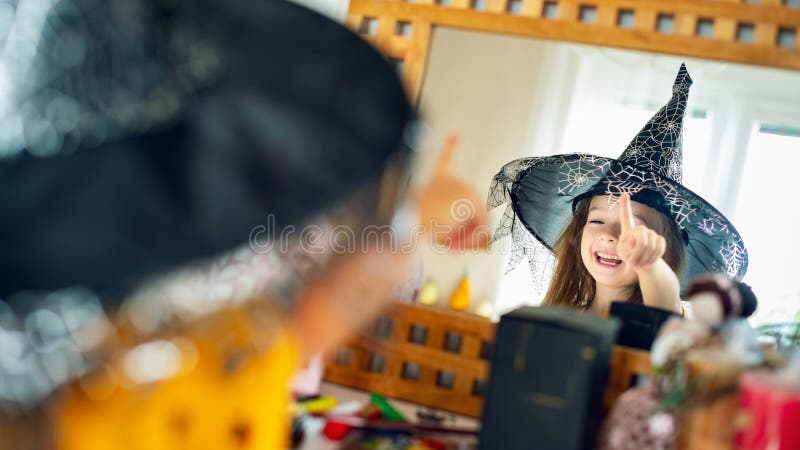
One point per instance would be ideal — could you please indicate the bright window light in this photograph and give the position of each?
(767, 216)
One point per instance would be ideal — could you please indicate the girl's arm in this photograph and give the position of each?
(660, 286)
(643, 249)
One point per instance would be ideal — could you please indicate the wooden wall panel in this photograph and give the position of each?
(467, 362)
(526, 18)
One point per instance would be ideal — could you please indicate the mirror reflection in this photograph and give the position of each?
(512, 97)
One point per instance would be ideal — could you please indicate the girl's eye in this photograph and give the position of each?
(598, 221)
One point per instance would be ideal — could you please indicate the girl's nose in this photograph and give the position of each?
(608, 237)
(610, 232)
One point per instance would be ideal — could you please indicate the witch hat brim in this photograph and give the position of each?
(541, 192)
(293, 114)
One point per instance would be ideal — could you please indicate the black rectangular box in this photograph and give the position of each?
(639, 324)
(548, 376)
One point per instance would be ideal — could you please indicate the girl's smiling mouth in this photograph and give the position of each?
(607, 259)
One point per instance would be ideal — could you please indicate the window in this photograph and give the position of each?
(768, 218)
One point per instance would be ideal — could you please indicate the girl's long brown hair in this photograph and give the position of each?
(572, 284)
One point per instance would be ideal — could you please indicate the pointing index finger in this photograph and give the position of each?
(625, 212)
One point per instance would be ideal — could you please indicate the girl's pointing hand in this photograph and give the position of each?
(638, 245)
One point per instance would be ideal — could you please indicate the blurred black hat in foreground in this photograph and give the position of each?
(141, 134)
(137, 136)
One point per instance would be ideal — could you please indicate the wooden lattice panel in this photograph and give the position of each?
(763, 33)
(627, 365)
(426, 355)
(440, 358)
(403, 41)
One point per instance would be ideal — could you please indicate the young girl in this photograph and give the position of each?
(622, 229)
(617, 254)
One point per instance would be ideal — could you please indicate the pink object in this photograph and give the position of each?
(631, 424)
(306, 381)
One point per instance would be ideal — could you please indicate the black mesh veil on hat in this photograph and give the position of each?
(139, 136)
(148, 133)
(541, 192)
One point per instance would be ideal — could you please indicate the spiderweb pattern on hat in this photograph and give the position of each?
(86, 91)
(523, 245)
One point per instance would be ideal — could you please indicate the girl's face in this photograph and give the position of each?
(599, 243)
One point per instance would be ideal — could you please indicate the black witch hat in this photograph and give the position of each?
(156, 132)
(143, 135)
(541, 193)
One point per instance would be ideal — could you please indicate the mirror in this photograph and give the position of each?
(511, 97)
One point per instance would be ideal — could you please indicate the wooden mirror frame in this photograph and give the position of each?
(763, 33)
